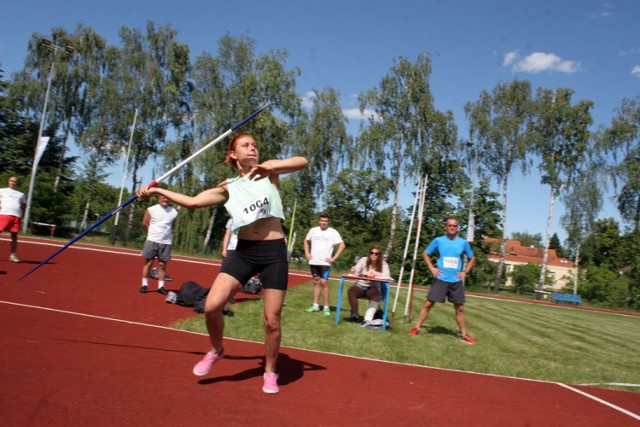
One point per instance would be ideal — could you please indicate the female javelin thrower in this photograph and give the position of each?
(254, 204)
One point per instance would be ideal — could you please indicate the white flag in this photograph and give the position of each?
(42, 144)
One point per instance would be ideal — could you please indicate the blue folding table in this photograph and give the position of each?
(384, 290)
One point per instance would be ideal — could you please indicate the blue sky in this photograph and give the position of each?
(590, 46)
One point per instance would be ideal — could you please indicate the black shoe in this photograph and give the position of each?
(355, 319)
(143, 290)
(162, 291)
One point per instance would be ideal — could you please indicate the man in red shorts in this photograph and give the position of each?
(12, 204)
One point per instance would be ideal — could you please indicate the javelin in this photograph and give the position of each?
(152, 184)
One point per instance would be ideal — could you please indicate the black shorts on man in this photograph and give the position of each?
(454, 292)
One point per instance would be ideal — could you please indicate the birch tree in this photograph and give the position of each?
(502, 123)
(583, 202)
(562, 139)
(228, 87)
(141, 78)
(622, 142)
(398, 133)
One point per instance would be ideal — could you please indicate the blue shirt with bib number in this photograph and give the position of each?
(449, 256)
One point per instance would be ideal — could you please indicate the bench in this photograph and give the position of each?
(559, 296)
(52, 227)
(541, 294)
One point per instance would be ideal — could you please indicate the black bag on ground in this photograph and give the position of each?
(192, 295)
(253, 286)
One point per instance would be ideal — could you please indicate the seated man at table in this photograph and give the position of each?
(370, 266)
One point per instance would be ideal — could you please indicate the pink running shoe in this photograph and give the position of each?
(270, 383)
(466, 338)
(203, 367)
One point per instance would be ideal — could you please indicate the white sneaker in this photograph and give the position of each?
(13, 258)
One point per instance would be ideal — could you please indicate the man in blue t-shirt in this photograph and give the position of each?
(448, 275)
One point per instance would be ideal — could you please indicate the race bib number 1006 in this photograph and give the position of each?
(256, 209)
(450, 262)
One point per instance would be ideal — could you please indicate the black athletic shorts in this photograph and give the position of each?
(321, 271)
(265, 257)
(453, 291)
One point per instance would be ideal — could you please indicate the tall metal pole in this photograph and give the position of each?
(126, 164)
(25, 223)
(56, 48)
(471, 225)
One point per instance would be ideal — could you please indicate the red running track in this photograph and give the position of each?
(80, 346)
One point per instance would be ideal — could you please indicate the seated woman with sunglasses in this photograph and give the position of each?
(370, 266)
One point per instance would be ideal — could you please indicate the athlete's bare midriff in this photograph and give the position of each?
(262, 229)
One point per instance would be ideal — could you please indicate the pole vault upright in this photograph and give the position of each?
(406, 246)
(291, 240)
(409, 302)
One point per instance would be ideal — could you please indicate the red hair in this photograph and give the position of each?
(232, 146)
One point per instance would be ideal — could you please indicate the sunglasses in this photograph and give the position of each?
(374, 253)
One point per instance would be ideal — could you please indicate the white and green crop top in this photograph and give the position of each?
(252, 200)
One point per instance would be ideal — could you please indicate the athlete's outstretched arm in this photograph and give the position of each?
(278, 167)
(211, 197)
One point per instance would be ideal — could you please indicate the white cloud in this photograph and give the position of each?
(541, 61)
(349, 113)
(509, 58)
(636, 71)
(632, 51)
(307, 100)
(354, 113)
(603, 13)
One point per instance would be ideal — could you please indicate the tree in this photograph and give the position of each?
(486, 211)
(74, 63)
(404, 134)
(326, 138)
(486, 217)
(562, 138)
(621, 141)
(554, 243)
(140, 78)
(226, 88)
(582, 204)
(602, 247)
(502, 122)
(601, 285)
(354, 201)
(524, 277)
(90, 179)
(17, 134)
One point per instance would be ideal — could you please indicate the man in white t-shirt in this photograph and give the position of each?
(159, 221)
(229, 241)
(12, 204)
(318, 248)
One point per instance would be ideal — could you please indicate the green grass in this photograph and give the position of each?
(513, 338)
